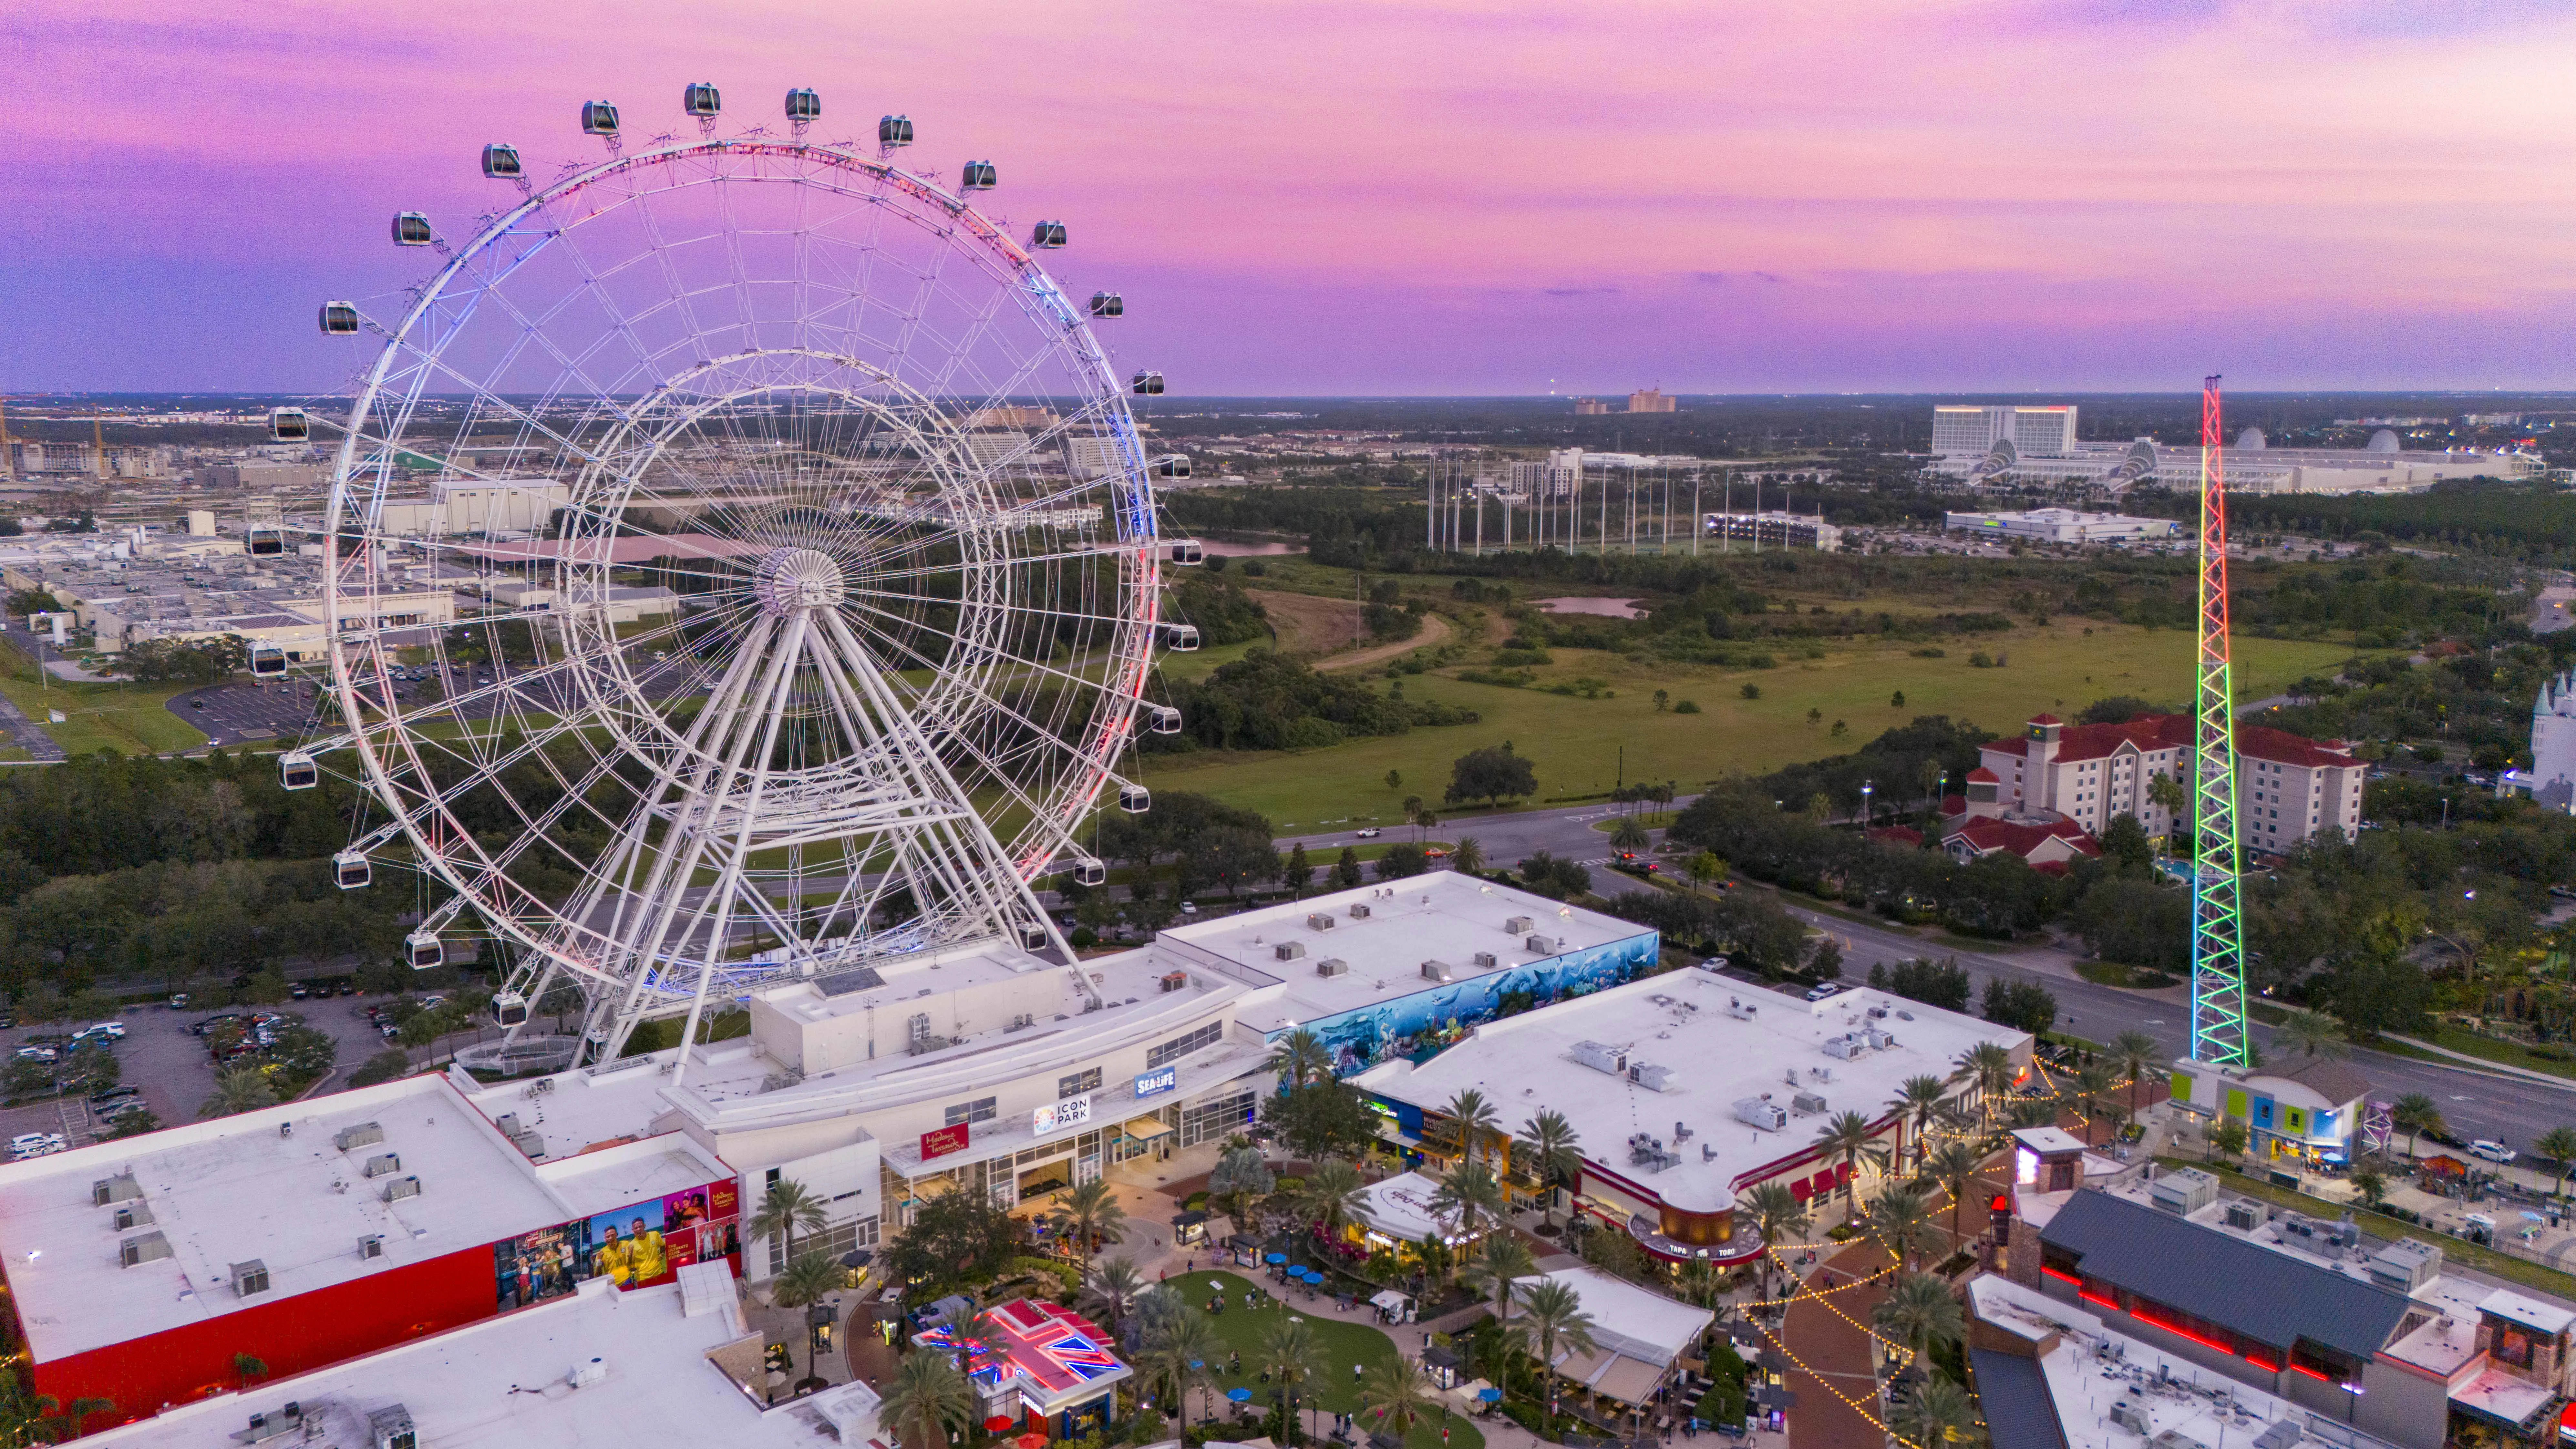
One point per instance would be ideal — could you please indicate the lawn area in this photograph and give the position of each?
(2504, 1053)
(133, 719)
(1345, 1344)
(1581, 746)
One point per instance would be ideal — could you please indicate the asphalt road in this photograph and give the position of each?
(231, 714)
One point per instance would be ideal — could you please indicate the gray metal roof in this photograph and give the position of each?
(2270, 1297)
(2012, 1392)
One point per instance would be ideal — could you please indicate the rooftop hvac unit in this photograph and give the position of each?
(2281, 1435)
(531, 1143)
(250, 1278)
(1436, 970)
(1844, 1048)
(1761, 1112)
(136, 1214)
(384, 1164)
(1487, 961)
(1332, 966)
(121, 1188)
(402, 1187)
(1809, 1104)
(1289, 951)
(365, 1134)
(1878, 1040)
(372, 1246)
(1359, 912)
(508, 1122)
(587, 1372)
(2406, 1265)
(1741, 1009)
(1319, 920)
(2129, 1415)
(147, 1248)
(1651, 1076)
(1517, 926)
(2184, 1190)
(1175, 980)
(390, 1428)
(1601, 1058)
(2240, 1216)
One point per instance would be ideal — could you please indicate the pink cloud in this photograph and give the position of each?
(1950, 192)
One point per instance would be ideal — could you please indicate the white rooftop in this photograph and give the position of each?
(1400, 1207)
(1634, 1321)
(1441, 916)
(2199, 1405)
(1685, 1021)
(505, 1382)
(233, 1190)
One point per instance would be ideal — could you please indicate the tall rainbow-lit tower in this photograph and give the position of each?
(2217, 914)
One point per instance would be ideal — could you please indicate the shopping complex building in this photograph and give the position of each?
(1688, 1089)
(2038, 445)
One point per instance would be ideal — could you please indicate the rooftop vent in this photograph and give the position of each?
(371, 1246)
(1332, 966)
(1517, 926)
(508, 1122)
(1436, 970)
(365, 1134)
(136, 1214)
(1809, 1104)
(384, 1164)
(390, 1428)
(1289, 951)
(586, 1372)
(121, 1188)
(1545, 945)
(531, 1142)
(1652, 1077)
(1487, 961)
(1173, 981)
(1742, 1010)
(1762, 1112)
(1601, 1058)
(250, 1278)
(148, 1248)
(1319, 920)
(1359, 912)
(402, 1187)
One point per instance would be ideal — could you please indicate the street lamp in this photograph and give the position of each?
(1866, 788)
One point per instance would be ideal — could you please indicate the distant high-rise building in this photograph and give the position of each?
(1590, 407)
(2025, 444)
(1649, 400)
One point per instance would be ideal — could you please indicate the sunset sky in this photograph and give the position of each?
(1485, 196)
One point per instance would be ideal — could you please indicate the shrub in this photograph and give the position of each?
(1687, 706)
(1254, 568)
(1750, 690)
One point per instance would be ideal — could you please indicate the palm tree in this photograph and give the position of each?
(1238, 1176)
(928, 1397)
(2093, 1083)
(2370, 1185)
(1778, 1213)
(1918, 1310)
(1939, 1416)
(1847, 1135)
(1180, 1356)
(968, 1327)
(1505, 1259)
(1920, 1101)
(1292, 1354)
(1466, 1192)
(1467, 855)
(1629, 835)
(2416, 1113)
(2227, 1138)
(249, 1367)
(2558, 1144)
(1553, 1150)
(1396, 1396)
(807, 1280)
(786, 1209)
(1301, 1057)
(1554, 1314)
(1954, 1165)
(1332, 1196)
(2311, 1033)
(1990, 1065)
(1112, 1286)
(1472, 1118)
(238, 1090)
(2032, 1112)
(1089, 1214)
(1901, 1220)
(2132, 1054)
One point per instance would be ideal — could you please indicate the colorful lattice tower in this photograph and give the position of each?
(2217, 911)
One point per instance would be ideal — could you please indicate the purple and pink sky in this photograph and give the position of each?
(1478, 196)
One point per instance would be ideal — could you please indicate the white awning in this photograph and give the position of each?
(1145, 1129)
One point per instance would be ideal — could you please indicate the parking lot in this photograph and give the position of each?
(231, 714)
(173, 1066)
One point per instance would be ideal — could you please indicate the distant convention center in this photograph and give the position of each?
(2038, 445)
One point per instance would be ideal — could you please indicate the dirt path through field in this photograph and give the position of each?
(1434, 629)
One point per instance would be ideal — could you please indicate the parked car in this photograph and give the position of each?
(36, 1054)
(25, 1140)
(36, 1144)
(1369, 834)
(178, 1001)
(2492, 1151)
(1821, 992)
(126, 1108)
(109, 1030)
(114, 1095)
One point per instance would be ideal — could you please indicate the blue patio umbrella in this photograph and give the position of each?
(1240, 1396)
(1276, 1258)
(1489, 1396)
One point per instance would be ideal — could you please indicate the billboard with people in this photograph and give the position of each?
(633, 1247)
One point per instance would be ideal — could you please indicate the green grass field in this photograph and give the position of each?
(1345, 1344)
(1580, 746)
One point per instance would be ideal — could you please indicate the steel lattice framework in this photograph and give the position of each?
(2217, 915)
(819, 565)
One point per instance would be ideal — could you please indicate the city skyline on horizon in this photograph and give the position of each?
(1565, 205)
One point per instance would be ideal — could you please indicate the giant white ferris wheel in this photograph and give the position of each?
(811, 564)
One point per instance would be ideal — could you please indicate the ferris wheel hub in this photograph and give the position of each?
(790, 579)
